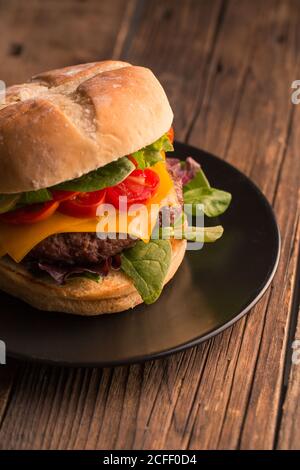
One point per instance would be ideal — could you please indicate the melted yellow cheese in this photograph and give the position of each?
(18, 240)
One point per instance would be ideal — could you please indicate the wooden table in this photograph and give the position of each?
(227, 67)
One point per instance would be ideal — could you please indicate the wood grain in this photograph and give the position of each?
(289, 431)
(41, 35)
(266, 161)
(227, 68)
(7, 375)
(289, 434)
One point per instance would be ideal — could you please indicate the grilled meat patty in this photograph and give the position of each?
(78, 249)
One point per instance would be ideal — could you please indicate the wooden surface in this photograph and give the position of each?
(227, 67)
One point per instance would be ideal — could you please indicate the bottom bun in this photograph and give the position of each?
(115, 293)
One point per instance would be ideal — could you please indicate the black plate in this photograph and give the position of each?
(213, 288)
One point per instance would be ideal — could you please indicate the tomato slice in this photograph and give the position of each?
(170, 135)
(63, 195)
(138, 187)
(84, 204)
(31, 214)
(133, 160)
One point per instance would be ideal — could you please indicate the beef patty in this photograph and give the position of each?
(78, 249)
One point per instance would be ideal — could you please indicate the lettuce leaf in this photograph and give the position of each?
(214, 201)
(147, 265)
(193, 234)
(106, 176)
(151, 154)
(8, 202)
(198, 191)
(198, 181)
(196, 188)
(91, 276)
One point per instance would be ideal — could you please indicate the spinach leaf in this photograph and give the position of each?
(214, 201)
(147, 265)
(34, 197)
(106, 176)
(9, 202)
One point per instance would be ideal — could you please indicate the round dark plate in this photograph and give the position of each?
(213, 288)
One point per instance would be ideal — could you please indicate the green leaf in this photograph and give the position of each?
(92, 276)
(151, 154)
(199, 191)
(214, 201)
(162, 144)
(147, 265)
(194, 234)
(8, 202)
(145, 159)
(115, 172)
(34, 197)
(204, 234)
(199, 181)
(109, 175)
(106, 176)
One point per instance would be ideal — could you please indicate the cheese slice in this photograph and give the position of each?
(18, 240)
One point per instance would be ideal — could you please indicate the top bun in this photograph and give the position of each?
(67, 122)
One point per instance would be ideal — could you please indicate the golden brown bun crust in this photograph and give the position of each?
(67, 122)
(80, 296)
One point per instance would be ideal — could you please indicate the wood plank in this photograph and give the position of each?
(289, 431)
(17, 435)
(39, 36)
(225, 393)
(238, 58)
(7, 376)
(289, 434)
(180, 59)
(246, 137)
(256, 143)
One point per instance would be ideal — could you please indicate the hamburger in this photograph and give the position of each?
(74, 142)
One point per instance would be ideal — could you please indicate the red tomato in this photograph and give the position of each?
(84, 204)
(170, 135)
(63, 195)
(133, 160)
(31, 214)
(138, 187)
